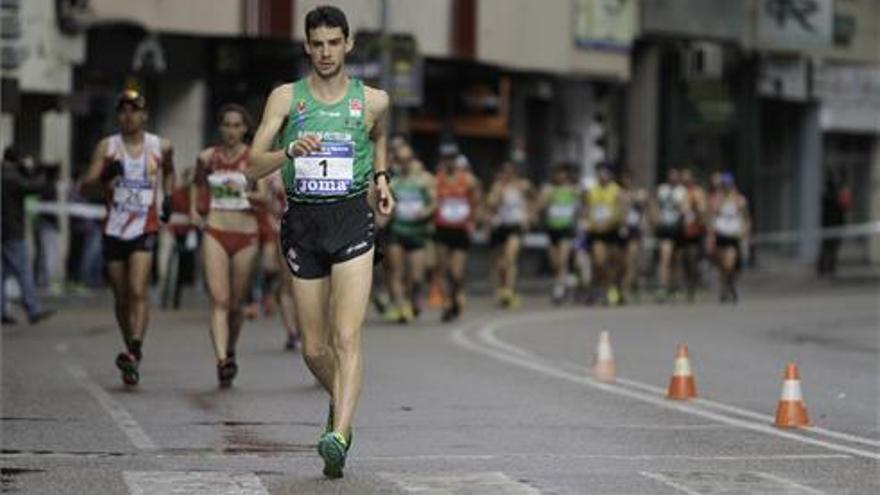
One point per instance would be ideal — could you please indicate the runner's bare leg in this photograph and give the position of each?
(350, 293)
(139, 265)
(243, 264)
(311, 301)
(217, 279)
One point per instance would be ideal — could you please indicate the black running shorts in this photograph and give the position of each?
(116, 249)
(558, 235)
(316, 236)
(501, 233)
(458, 239)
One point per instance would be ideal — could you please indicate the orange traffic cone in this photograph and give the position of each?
(681, 385)
(435, 295)
(603, 362)
(791, 413)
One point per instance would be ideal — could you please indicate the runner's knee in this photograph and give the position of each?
(315, 351)
(346, 343)
(137, 294)
(222, 303)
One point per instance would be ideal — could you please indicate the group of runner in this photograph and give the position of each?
(599, 228)
(310, 190)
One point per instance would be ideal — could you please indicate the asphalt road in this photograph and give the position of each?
(500, 403)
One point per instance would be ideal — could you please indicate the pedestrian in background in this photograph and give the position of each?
(47, 271)
(18, 181)
(836, 201)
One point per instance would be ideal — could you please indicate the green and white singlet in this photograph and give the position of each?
(562, 208)
(343, 166)
(410, 215)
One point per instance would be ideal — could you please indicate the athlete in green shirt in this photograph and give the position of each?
(559, 201)
(409, 232)
(333, 147)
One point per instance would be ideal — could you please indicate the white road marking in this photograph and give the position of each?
(790, 484)
(613, 426)
(124, 420)
(193, 483)
(709, 483)
(434, 457)
(487, 335)
(459, 338)
(613, 457)
(460, 484)
(666, 481)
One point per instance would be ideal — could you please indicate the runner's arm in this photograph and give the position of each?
(91, 184)
(260, 193)
(167, 167)
(654, 211)
(747, 219)
(585, 211)
(431, 188)
(532, 198)
(493, 198)
(264, 160)
(377, 105)
(476, 198)
(197, 183)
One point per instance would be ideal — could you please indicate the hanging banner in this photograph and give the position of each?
(604, 24)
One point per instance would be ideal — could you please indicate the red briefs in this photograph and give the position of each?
(232, 242)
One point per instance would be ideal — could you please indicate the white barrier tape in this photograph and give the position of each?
(81, 210)
(533, 240)
(90, 210)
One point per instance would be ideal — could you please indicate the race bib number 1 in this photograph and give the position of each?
(328, 172)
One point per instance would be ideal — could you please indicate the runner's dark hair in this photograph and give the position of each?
(235, 107)
(326, 16)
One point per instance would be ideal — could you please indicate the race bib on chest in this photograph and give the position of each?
(328, 172)
(633, 218)
(410, 209)
(133, 196)
(669, 216)
(455, 210)
(228, 190)
(730, 226)
(561, 212)
(601, 213)
(729, 222)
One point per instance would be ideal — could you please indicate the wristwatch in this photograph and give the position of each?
(380, 173)
(287, 150)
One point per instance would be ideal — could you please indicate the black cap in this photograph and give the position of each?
(132, 97)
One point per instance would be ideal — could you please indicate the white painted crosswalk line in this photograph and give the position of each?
(193, 483)
(711, 483)
(489, 483)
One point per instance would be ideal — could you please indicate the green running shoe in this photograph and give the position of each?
(328, 427)
(332, 447)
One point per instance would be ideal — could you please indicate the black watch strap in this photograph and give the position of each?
(379, 174)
